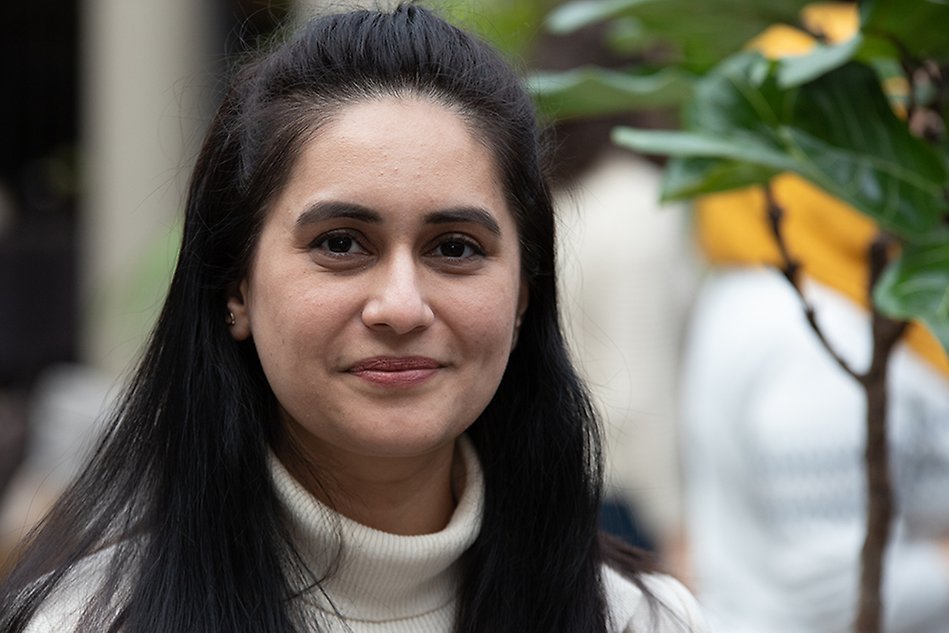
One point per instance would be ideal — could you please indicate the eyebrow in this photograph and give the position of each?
(328, 210)
(474, 215)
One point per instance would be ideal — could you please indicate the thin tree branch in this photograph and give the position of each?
(790, 268)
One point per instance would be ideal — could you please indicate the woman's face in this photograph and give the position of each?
(385, 290)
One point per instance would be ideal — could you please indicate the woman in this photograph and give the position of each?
(356, 411)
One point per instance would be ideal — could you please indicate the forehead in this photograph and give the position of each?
(416, 129)
(392, 151)
(389, 120)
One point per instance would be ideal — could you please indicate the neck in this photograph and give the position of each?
(399, 495)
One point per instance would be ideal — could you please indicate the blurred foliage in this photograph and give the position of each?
(697, 35)
(599, 92)
(510, 25)
(863, 117)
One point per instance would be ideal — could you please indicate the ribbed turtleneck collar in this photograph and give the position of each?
(382, 576)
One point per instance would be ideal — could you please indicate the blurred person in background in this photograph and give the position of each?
(774, 430)
(356, 411)
(627, 276)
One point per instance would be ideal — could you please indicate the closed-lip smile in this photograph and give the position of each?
(396, 371)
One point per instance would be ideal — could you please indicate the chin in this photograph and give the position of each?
(405, 443)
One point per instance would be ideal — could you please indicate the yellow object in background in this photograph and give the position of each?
(832, 22)
(781, 40)
(835, 22)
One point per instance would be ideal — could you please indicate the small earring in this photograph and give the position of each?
(231, 319)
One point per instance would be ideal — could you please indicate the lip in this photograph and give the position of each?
(396, 371)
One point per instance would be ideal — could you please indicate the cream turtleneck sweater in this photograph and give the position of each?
(383, 582)
(388, 583)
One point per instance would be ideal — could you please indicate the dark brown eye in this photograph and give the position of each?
(339, 244)
(452, 248)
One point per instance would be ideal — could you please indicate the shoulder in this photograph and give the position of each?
(673, 610)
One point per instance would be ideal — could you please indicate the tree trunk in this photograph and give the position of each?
(886, 333)
(879, 507)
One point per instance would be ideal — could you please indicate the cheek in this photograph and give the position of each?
(287, 321)
(488, 319)
(288, 295)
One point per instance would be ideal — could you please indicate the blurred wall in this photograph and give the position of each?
(148, 77)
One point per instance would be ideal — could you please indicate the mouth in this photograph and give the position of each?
(396, 371)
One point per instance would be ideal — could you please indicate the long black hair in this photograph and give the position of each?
(179, 491)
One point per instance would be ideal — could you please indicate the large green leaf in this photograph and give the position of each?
(916, 286)
(690, 177)
(699, 33)
(715, 154)
(590, 91)
(837, 131)
(704, 163)
(919, 26)
(846, 133)
(740, 147)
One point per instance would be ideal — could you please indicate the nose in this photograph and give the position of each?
(397, 301)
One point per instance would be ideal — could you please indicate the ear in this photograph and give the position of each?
(237, 306)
